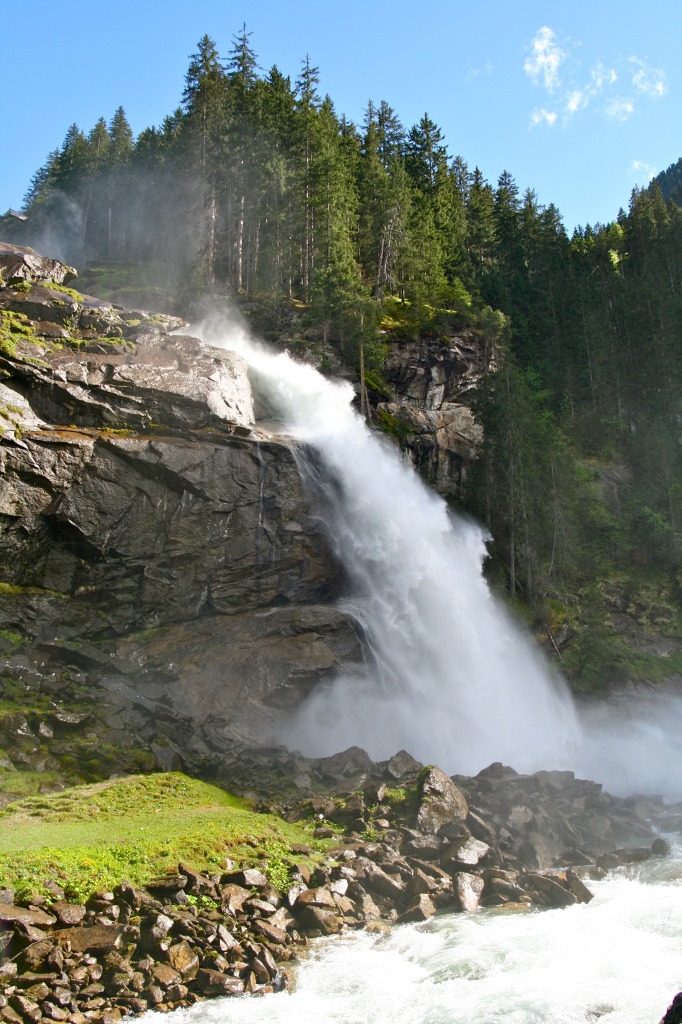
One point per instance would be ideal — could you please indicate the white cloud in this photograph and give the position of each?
(602, 76)
(545, 60)
(623, 84)
(648, 81)
(577, 100)
(620, 109)
(642, 171)
(538, 117)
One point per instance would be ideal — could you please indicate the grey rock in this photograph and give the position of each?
(441, 801)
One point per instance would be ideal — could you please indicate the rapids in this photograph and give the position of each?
(616, 960)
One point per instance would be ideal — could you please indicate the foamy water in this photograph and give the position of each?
(617, 960)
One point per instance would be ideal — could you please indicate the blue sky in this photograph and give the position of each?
(579, 100)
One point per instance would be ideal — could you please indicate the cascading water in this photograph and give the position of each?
(453, 680)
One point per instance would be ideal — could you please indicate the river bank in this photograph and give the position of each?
(404, 843)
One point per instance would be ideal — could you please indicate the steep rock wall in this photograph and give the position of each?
(160, 557)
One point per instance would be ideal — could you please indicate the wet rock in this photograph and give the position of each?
(440, 801)
(468, 889)
(183, 959)
(421, 909)
(215, 983)
(551, 892)
(317, 920)
(270, 932)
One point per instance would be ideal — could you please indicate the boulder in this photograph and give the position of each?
(441, 801)
(468, 889)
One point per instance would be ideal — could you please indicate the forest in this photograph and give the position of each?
(256, 188)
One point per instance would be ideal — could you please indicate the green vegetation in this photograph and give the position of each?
(62, 289)
(14, 327)
(92, 837)
(374, 234)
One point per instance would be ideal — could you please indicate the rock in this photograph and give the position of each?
(319, 897)
(318, 920)
(249, 878)
(35, 954)
(20, 265)
(467, 852)
(96, 938)
(164, 975)
(270, 932)
(234, 897)
(9, 912)
(68, 913)
(673, 1014)
(551, 892)
(378, 881)
(215, 983)
(440, 801)
(420, 910)
(402, 765)
(29, 1010)
(183, 959)
(468, 889)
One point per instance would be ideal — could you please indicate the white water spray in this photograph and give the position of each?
(453, 680)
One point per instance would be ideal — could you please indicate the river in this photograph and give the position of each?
(616, 960)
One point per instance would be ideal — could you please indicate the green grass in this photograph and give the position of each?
(92, 837)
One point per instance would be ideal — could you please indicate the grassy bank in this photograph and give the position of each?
(90, 838)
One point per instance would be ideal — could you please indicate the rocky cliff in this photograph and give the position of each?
(434, 381)
(162, 566)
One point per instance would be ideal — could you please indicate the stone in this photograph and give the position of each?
(551, 891)
(248, 878)
(183, 959)
(37, 992)
(469, 852)
(379, 881)
(319, 897)
(440, 801)
(164, 975)
(35, 918)
(468, 889)
(96, 938)
(318, 920)
(402, 765)
(35, 954)
(270, 932)
(68, 913)
(28, 1009)
(215, 983)
(420, 910)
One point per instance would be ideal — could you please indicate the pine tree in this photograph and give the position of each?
(205, 104)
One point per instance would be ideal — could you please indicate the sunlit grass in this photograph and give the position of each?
(93, 837)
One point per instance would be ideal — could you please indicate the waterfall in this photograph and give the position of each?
(452, 679)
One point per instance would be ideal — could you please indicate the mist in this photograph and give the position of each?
(451, 677)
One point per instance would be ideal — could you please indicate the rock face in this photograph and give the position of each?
(434, 381)
(157, 548)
